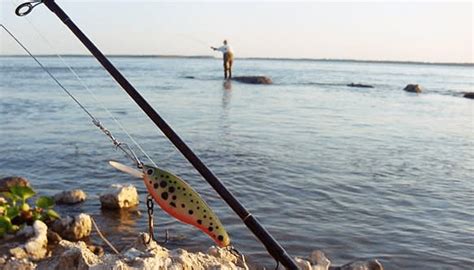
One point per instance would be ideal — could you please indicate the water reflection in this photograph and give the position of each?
(227, 85)
(226, 94)
(123, 220)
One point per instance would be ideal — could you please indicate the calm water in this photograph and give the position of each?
(357, 173)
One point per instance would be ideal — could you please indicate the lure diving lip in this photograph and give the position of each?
(180, 200)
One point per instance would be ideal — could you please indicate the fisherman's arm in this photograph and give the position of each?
(221, 49)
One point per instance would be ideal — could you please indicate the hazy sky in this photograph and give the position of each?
(421, 31)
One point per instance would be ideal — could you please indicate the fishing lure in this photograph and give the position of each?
(180, 200)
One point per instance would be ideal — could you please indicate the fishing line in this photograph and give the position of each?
(124, 147)
(94, 97)
(188, 36)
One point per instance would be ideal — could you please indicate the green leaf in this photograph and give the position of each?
(37, 215)
(44, 202)
(52, 214)
(5, 223)
(13, 212)
(23, 192)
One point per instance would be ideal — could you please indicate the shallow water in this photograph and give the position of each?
(355, 172)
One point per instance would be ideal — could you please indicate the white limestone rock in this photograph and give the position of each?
(303, 264)
(70, 255)
(319, 261)
(35, 247)
(70, 197)
(120, 197)
(140, 255)
(73, 228)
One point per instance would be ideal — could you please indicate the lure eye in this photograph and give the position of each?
(149, 171)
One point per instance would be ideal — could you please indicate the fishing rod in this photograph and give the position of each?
(272, 246)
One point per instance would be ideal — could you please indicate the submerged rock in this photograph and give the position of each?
(253, 79)
(319, 261)
(35, 247)
(413, 88)
(73, 228)
(469, 95)
(70, 197)
(361, 265)
(360, 85)
(120, 197)
(7, 182)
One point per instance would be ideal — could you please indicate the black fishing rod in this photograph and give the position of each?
(272, 246)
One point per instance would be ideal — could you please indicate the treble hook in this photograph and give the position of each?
(149, 206)
(26, 8)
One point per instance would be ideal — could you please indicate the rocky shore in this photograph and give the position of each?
(64, 243)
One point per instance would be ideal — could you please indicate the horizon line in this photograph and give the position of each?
(255, 58)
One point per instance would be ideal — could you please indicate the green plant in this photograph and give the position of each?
(15, 211)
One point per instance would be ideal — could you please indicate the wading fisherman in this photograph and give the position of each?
(228, 54)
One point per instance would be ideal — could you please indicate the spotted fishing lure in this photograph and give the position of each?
(180, 200)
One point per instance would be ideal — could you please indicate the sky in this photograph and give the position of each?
(379, 30)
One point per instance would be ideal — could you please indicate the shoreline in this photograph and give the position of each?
(68, 242)
(335, 60)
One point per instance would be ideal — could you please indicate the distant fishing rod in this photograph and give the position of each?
(272, 246)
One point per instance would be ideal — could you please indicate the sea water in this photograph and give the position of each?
(355, 172)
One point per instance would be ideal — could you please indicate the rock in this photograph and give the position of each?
(360, 85)
(227, 255)
(140, 255)
(362, 265)
(120, 197)
(319, 260)
(253, 79)
(26, 232)
(73, 228)
(303, 264)
(413, 88)
(35, 247)
(18, 252)
(14, 264)
(141, 244)
(97, 250)
(69, 255)
(469, 95)
(152, 256)
(53, 237)
(7, 182)
(70, 197)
